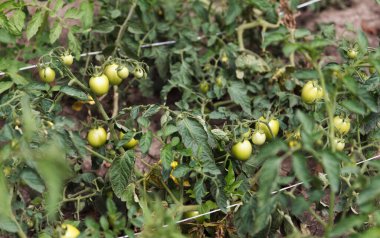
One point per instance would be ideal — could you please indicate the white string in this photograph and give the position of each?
(240, 203)
(156, 44)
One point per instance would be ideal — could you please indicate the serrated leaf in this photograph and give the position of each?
(238, 94)
(367, 99)
(354, 106)
(345, 225)
(153, 109)
(34, 24)
(181, 171)
(74, 92)
(331, 166)
(350, 84)
(5, 85)
(87, 9)
(16, 21)
(73, 13)
(166, 156)
(306, 121)
(362, 41)
(146, 141)
(74, 44)
(33, 180)
(55, 32)
(121, 173)
(301, 169)
(199, 190)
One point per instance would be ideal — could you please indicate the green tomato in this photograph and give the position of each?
(131, 143)
(242, 150)
(47, 74)
(70, 231)
(274, 126)
(339, 144)
(67, 59)
(342, 125)
(204, 86)
(219, 81)
(310, 93)
(247, 133)
(99, 84)
(97, 137)
(111, 71)
(138, 72)
(258, 137)
(123, 72)
(352, 53)
(190, 214)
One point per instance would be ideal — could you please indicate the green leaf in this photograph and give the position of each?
(230, 177)
(166, 156)
(267, 151)
(368, 99)
(74, 92)
(354, 106)
(73, 13)
(153, 109)
(35, 23)
(121, 173)
(362, 41)
(345, 225)
(238, 93)
(7, 224)
(306, 121)
(350, 84)
(332, 167)
(17, 21)
(194, 136)
(233, 11)
(55, 32)
(301, 169)
(181, 171)
(33, 180)
(5, 85)
(74, 44)
(199, 190)
(87, 9)
(53, 168)
(370, 192)
(146, 141)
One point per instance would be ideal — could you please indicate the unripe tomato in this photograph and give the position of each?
(274, 126)
(70, 231)
(204, 86)
(7, 171)
(293, 143)
(190, 214)
(67, 59)
(219, 81)
(258, 137)
(242, 150)
(342, 125)
(174, 164)
(339, 144)
(372, 70)
(352, 53)
(224, 59)
(247, 133)
(131, 143)
(111, 72)
(47, 74)
(99, 84)
(320, 93)
(310, 93)
(138, 72)
(123, 72)
(97, 137)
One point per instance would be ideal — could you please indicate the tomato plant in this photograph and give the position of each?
(226, 110)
